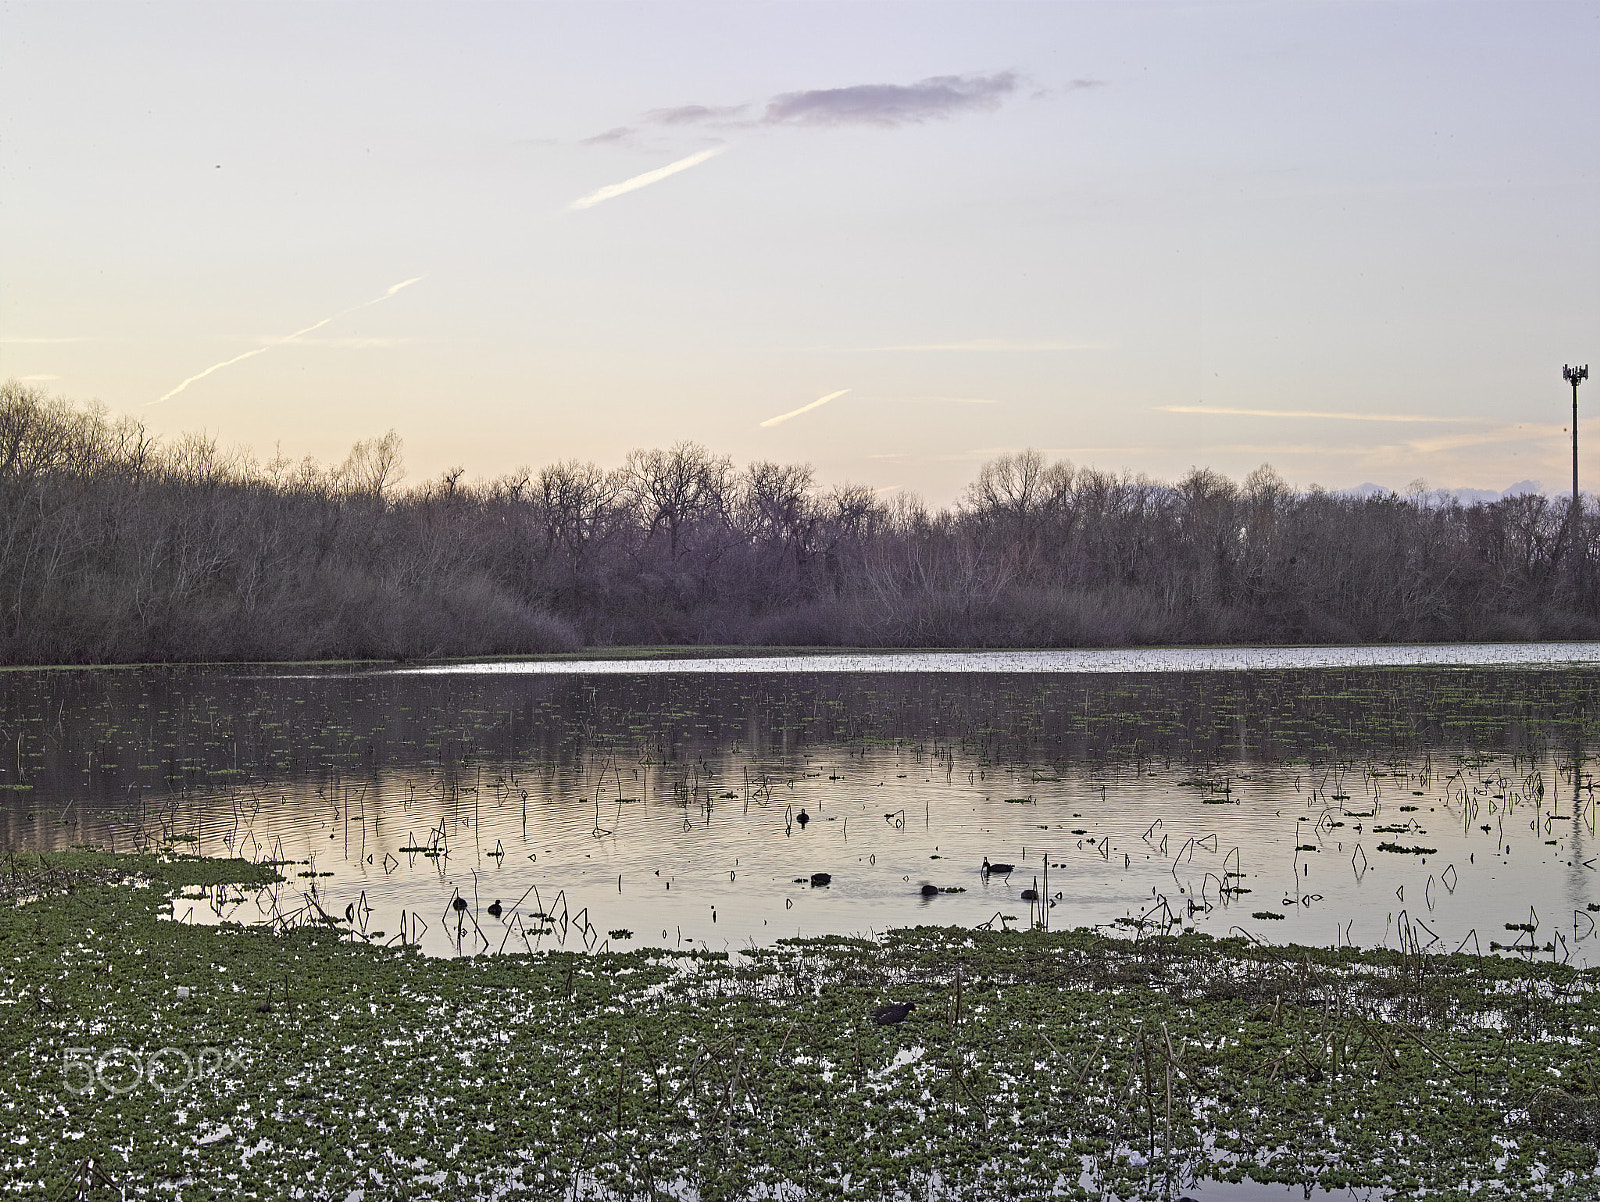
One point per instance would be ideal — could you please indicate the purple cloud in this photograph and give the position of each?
(889, 105)
(620, 133)
(886, 105)
(688, 114)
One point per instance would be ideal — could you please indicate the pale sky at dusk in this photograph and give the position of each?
(1354, 240)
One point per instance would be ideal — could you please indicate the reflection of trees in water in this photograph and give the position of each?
(104, 738)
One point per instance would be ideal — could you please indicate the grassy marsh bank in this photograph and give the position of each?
(1032, 1061)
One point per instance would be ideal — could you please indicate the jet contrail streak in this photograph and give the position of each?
(287, 338)
(643, 181)
(783, 417)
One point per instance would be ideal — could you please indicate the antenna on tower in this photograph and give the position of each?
(1575, 376)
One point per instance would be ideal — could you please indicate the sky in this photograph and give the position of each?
(1357, 241)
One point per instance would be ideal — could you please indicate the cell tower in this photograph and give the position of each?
(1575, 376)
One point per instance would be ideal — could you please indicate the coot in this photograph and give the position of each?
(894, 1012)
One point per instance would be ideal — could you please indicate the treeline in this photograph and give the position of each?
(115, 547)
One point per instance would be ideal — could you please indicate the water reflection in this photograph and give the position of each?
(1066, 659)
(1440, 807)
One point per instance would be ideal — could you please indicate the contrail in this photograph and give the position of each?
(783, 417)
(643, 181)
(287, 338)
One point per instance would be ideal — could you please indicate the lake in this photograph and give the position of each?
(1433, 797)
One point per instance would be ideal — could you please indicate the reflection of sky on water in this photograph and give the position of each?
(1070, 659)
(723, 870)
(669, 809)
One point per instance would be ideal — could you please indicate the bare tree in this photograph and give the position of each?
(374, 466)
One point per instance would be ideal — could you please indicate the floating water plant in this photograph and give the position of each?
(1029, 1059)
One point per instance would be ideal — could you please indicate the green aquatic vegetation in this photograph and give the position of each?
(1031, 1059)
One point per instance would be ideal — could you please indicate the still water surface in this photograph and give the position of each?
(1296, 795)
(1076, 659)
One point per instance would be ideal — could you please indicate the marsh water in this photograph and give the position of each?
(1438, 798)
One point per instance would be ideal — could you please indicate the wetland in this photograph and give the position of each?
(559, 929)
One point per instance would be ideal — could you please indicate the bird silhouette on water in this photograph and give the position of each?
(893, 1012)
(459, 905)
(996, 869)
(802, 818)
(930, 891)
(821, 878)
(494, 908)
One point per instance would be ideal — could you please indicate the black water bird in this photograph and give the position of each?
(802, 818)
(494, 908)
(459, 905)
(996, 869)
(821, 878)
(1030, 895)
(930, 891)
(894, 1012)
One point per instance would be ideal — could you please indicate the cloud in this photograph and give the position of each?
(645, 180)
(1519, 433)
(816, 404)
(42, 341)
(37, 379)
(620, 133)
(298, 334)
(948, 400)
(889, 105)
(355, 344)
(886, 105)
(1281, 448)
(1314, 414)
(989, 344)
(691, 114)
(1399, 452)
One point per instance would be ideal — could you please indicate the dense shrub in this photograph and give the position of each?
(114, 547)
